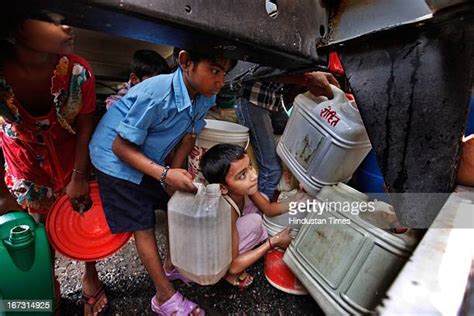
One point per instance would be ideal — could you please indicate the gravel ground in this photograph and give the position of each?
(129, 288)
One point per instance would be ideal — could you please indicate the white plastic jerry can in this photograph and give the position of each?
(200, 234)
(346, 257)
(324, 141)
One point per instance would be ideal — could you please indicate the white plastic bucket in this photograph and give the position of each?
(276, 224)
(216, 132)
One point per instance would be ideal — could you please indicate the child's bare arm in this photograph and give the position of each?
(79, 184)
(244, 260)
(266, 207)
(182, 151)
(7, 202)
(129, 153)
(235, 235)
(85, 128)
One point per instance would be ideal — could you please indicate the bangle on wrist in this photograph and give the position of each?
(163, 176)
(78, 171)
(270, 243)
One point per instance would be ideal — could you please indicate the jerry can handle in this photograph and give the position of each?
(287, 112)
(339, 95)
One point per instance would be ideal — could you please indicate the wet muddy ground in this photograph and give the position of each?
(130, 289)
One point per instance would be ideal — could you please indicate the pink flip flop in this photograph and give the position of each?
(175, 275)
(175, 304)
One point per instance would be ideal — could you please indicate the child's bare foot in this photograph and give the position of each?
(242, 280)
(93, 295)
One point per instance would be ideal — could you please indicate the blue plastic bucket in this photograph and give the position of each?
(470, 119)
(368, 177)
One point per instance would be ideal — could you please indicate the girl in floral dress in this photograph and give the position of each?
(47, 100)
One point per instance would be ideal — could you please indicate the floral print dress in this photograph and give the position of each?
(40, 151)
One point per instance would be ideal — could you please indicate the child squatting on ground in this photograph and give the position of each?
(129, 147)
(229, 165)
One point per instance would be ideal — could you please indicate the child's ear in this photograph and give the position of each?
(134, 78)
(184, 60)
(224, 190)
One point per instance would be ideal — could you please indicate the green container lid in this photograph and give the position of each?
(25, 260)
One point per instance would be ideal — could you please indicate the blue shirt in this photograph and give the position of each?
(155, 114)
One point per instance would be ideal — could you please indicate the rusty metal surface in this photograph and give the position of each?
(244, 20)
(436, 5)
(245, 29)
(413, 86)
(242, 29)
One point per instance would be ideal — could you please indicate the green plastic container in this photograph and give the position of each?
(26, 275)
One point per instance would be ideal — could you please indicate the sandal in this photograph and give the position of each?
(242, 281)
(175, 275)
(92, 300)
(175, 304)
